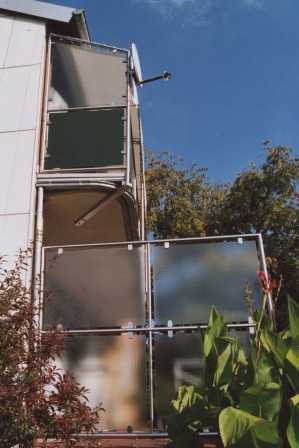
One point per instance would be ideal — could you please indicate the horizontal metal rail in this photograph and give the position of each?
(143, 330)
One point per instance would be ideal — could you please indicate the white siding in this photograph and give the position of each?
(13, 230)
(23, 42)
(22, 56)
(16, 171)
(19, 93)
(6, 25)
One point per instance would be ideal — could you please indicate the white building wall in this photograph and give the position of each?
(22, 56)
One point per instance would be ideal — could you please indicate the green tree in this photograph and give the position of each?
(262, 199)
(181, 202)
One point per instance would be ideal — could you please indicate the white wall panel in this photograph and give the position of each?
(19, 93)
(17, 172)
(26, 43)
(6, 25)
(14, 234)
(32, 100)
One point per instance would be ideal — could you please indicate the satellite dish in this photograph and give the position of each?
(136, 65)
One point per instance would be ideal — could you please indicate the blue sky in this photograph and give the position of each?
(235, 74)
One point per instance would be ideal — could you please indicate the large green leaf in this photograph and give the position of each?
(251, 371)
(262, 400)
(185, 398)
(292, 364)
(217, 327)
(278, 347)
(293, 427)
(194, 413)
(219, 371)
(241, 430)
(180, 434)
(197, 411)
(293, 309)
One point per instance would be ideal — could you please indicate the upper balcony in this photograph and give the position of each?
(92, 132)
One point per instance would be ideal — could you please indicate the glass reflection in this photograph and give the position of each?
(189, 278)
(180, 361)
(113, 369)
(96, 288)
(85, 76)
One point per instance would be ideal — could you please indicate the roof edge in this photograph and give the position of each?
(49, 12)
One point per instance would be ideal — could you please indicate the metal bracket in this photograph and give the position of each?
(130, 333)
(170, 332)
(101, 205)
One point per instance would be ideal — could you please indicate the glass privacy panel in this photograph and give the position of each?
(94, 288)
(180, 361)
(85, 139)
(188, 279)
(113, 368)
(85, 76)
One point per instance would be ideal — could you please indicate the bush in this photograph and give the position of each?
(251, 403)
(36, 399)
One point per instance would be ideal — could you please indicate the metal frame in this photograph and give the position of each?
(125, 168)
(149, 329)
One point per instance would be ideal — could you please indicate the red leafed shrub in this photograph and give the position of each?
(36, 399)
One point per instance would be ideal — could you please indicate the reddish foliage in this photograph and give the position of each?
(266, 282)
(36, 399)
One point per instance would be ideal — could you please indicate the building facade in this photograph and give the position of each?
(72, 184)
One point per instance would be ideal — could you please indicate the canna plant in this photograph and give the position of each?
(250, 403)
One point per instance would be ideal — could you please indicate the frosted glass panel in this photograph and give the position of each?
(85, 139)
(96, 288)
(189, 278)
(84, 76)
(113, 368)
(179, 361)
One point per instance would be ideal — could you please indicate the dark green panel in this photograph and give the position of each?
(85, 139)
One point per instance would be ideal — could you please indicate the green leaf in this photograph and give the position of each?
(293, 309)
(194, 413)
(293, 427)
(241, 430)
(217, 327)
(251, 371)
(262, 400)
(279, 348)
(292, 364)
(196, 410)
(180, 434)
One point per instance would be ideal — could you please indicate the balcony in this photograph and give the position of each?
(135, 314)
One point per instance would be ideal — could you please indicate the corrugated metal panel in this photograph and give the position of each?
(19, 93)
(25, 44)
(38, 9)
(6, 25)
(16, 171)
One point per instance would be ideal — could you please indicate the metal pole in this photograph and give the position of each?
(150, 339)
(128, 129)
(38, 245)
(264, 268)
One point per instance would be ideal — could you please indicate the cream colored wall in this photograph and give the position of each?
(22, 56)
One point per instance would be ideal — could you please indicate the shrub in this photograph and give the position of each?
(251, 403)
(36, 399)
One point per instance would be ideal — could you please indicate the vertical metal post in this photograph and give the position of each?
(38, 244)
(264, 268)
(150, 338)
(128, 127)
(46, 99)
